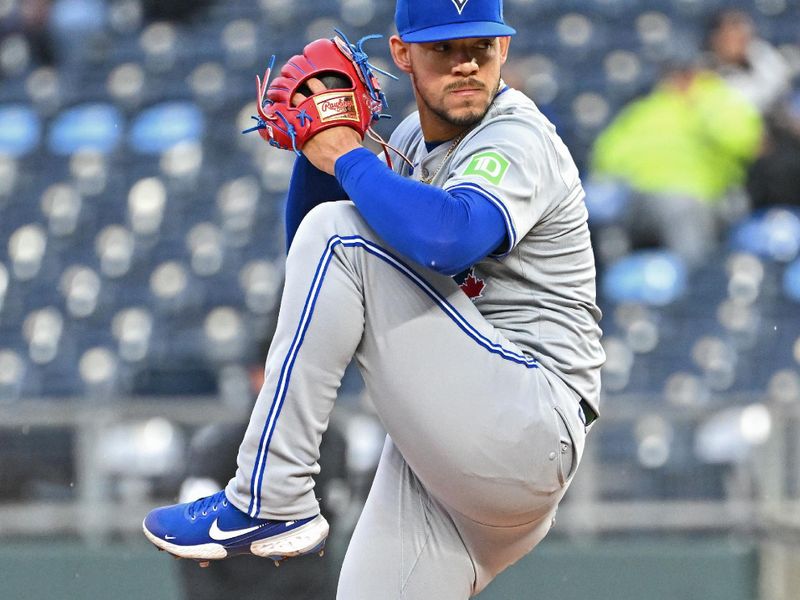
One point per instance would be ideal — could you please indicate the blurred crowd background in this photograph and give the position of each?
(141, 258)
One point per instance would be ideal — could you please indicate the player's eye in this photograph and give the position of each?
(441, 47)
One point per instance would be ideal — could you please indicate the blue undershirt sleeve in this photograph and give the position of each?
(444, 231)
(308, 187)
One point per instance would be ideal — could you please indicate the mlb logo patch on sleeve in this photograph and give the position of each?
(490, 165)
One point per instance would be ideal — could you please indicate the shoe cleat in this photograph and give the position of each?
(212, 529)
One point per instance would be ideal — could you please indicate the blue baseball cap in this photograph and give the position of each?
(437, 20)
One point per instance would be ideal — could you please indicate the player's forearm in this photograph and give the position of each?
(308, 187)
(442, 231)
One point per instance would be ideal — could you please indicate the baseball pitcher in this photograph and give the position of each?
(457, 270)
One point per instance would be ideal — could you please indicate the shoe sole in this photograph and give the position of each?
(306, 539)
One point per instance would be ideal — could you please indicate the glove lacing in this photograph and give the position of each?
(354, 52)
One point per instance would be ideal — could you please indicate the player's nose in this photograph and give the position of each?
(466, 65)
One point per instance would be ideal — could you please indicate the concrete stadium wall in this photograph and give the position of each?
(627, 569)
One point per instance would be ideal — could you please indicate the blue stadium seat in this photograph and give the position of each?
(652, 277)
(162, 126)
(71, 17)
(20, 130)
(773, 233)
(606, 200)
(91, 126)
(791, 281)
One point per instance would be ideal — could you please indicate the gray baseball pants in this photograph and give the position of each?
(482, 442)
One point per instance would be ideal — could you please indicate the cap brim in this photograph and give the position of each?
(457, 31)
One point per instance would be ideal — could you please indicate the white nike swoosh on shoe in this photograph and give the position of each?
(169, 537)
(215, 533)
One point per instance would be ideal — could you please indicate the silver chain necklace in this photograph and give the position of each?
(447, 155)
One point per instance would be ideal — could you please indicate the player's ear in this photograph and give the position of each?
(504, 42)
(401, 53)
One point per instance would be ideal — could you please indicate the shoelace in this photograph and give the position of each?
(202, 506)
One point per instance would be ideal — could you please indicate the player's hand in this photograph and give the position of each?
(326, 146)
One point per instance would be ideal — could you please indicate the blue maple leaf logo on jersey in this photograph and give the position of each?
(460, 4)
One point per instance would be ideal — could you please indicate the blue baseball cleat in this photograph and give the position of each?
(212, 528)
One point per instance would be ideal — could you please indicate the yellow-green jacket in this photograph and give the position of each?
(695, 142)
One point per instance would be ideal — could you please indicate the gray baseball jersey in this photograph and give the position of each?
(477, 382)
(539, 289)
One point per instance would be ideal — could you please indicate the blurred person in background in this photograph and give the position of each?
(30, 18)
(774, 178)
(761, 74)
(682, 149)
(749, 64)
(175, 10)
(36, 464)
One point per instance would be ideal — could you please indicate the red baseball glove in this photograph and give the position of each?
(353, 98)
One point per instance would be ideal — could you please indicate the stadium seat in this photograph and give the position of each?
(159, 43)
(147, 201)
(114, 248)
(12, 374)
(132, 328)
(616, 371)
(204, 243)
(172, 290)
(239, 40)
(685, 388)
(260, 281)
(225, 335)
(791, 281)
(784, 385)
(26, 248)
(42, 330)
(126, 85)
(717, 360)
(20, 130)
(772, 233)
(652, 277)
(99, 371)
(81, 288)
(182, 165)
(237, 204)
(208, 84)
(90, 126)
(606, 200)
(15, 56)
(61, 204)
(161, 127)
(89, 171)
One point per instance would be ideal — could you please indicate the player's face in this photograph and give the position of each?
(454, 81)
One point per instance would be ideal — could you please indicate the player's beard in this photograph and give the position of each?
(468, 119)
